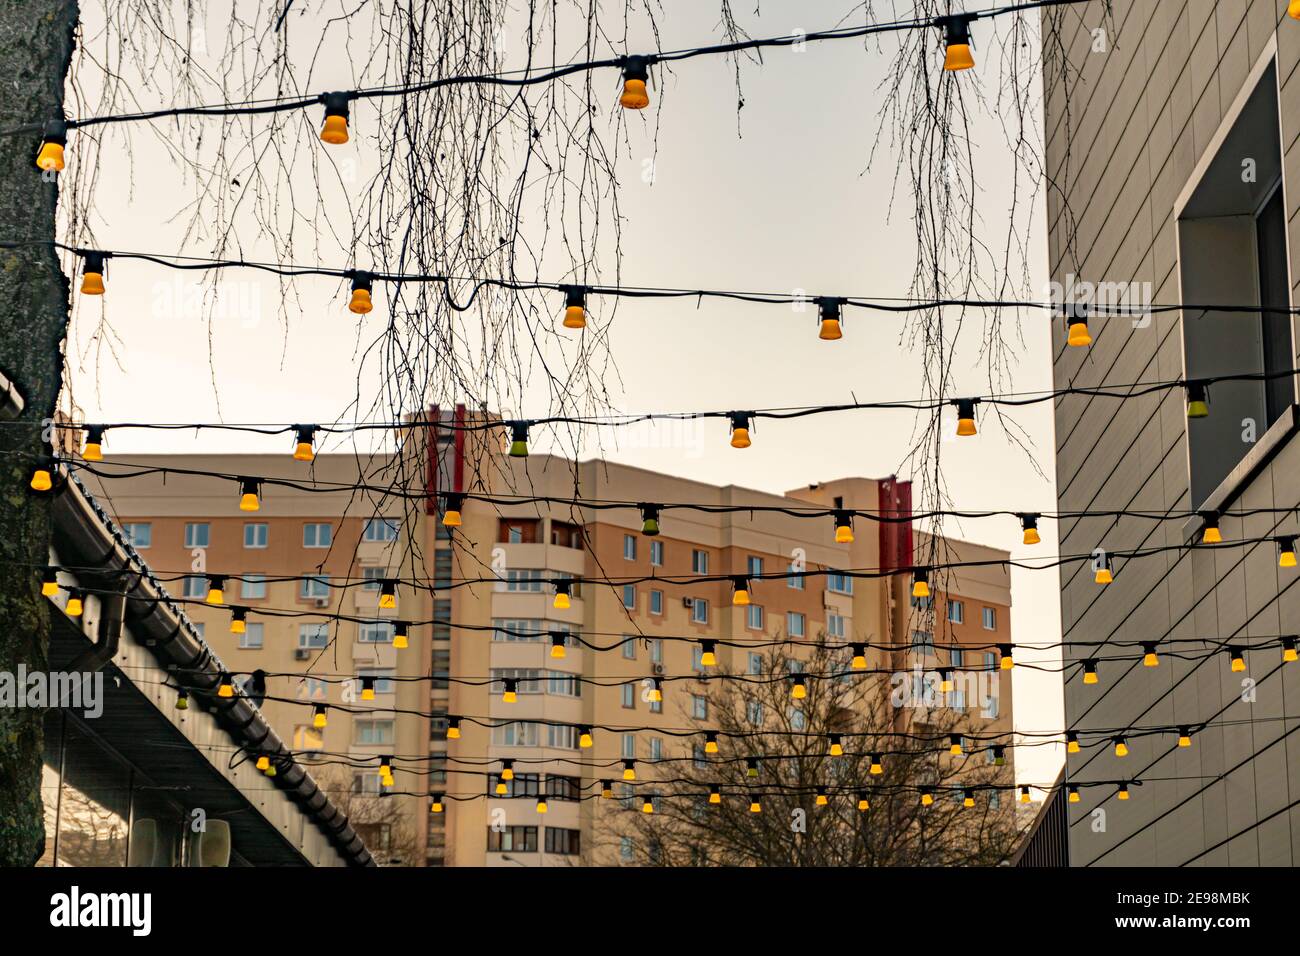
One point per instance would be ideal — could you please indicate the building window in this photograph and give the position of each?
(958, 657)
(517, 531)
(629, 547)
(956, 612)
(699, 707)
(372, 578)
(564, 842)
(626, 849)
(795, 580)
(755, 565)
(656, 602)
(197, 535)
(754, 712)
(314, 586)
(839, 583)
(754, 617)
(375, 632)
(697, 658)
(629, 647)
(629, 596)
(368, 732)
(381, 529)
(657, 553)
(923, 643)
(529, 678)
(523, 579)
(514, 839)
(798, 720)
(700, 611)
(1232, 244)
(317, 535)
(563, 685)
(699, 561)
(990, 619)
(990, 661)
(755, 663)
(251, 639)
(835, 628)
(656, 749)
(629, 696)
(795, 624)
(195, 587)
(252, 587)
(656, 650)
(561, 737)
(523, 785)
(139, 534)
(566, 535)
(256, 534)
(629, 747)
(314, 636)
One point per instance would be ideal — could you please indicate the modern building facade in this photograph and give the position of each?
(490, 595)
(1175, 152)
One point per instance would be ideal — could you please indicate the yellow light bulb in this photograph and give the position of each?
(263, 764)
(388, 600)
(73, 607)
(41, 480)
(843, 534)
(1074, 796)
(561, 602)
(584, 740)
(634, 95)
(335, 130)
(837, 750)
(303, 451)
(1212, 535)
(864, 804)
(541, 806)
(1079, 336)
(920, 589)
(629, 773)
(216, 595)
(926, 799)
(1103, 576)
(50, 158)
(755, 807)
(400, 641)
(509, 697)
(821, 800)
(1031, 536)
(740, 438)
(958, 57)
(248, 501)
(830, 330)
(451, 518)
(435, 807)
(715, 796)
(648, 807)
(575, 317)
(557, 651)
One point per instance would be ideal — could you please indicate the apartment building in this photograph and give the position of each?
(1175, 150)
(487, 585)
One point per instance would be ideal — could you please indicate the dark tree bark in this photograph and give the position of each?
(36, 44)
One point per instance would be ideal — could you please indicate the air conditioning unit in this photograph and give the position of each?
(302, 654)
(657, 670)
(321, 601)
(688, 602)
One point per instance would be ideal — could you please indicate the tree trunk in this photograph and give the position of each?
(36, 43)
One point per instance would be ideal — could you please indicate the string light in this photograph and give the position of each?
(1184, 736)
(1149, 656)
(1104, 573)
(1008, 660)
(945, 680)
(94, 447)
(362, 285)
(708, 655)
(1210, 533)
(518, 439)
(225, 686)
(248, 499)
(755, 804)
(1029, 523)
(557, 645)
(843, 526)
(877, 766)
(367, 688)
(1198, 405)
(400, 639)
(53, 139)
(711, 742)
(965, 415)
(216, 589)
(453, 502)
(837, 746)
(507, 770)
(320, 719)
(541, 805)
(1076, 321)
(74, 607)
(739, 422)
(182, 699)
(561, 601)
(863, 802)
(629, 769)
(648, 803)
(1238, 659)
(821, 799)
(49, 582)
(1073, 792)
(304, 438)
(954, 745)
(1122, 792)
(635, 74)
(92, 273)
(968, 798)
(42, 480)
(238, 620)
(1024, 795)
(715, 795)
(859, 662)
(1071, 742)
(798, 687)
(584, 738)
(606, 790)
(510, 694)
(575, 307)
(453, 728)
(501, 789)
(740, 590)
(829, 315)
(649, 520)
(388, 593)
(999, 755)
(263, 763)
(656, 690)
(956, 29)
(1285, 550)
(1090, 672)
(335, 130)
(1289, 649)
(927, 798)
(751, 767)
(920, 583)
(1121, 746)
(435, 806)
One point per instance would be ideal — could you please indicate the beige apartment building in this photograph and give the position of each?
(1175, 150)
(500, 627)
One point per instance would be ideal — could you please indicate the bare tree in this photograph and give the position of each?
(790, 740)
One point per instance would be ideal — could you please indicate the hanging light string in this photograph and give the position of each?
(634, 68)
(741, 583)
(828, 307)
